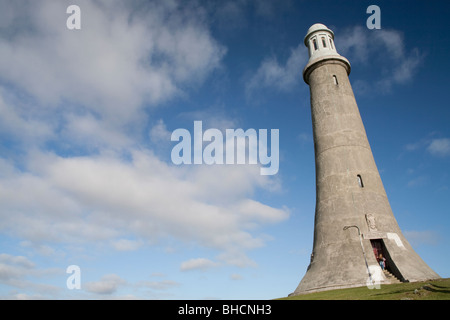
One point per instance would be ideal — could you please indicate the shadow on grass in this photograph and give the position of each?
(444, 290)
(438, 289)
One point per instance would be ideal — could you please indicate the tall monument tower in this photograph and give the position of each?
(354, 222)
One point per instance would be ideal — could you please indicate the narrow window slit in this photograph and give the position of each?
(360, 182)
(335, 80)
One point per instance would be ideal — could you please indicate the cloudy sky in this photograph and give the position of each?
(86, 118)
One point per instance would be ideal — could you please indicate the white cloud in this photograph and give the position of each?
(21, 122)
(159, 133)
(91, 133)
(418, 181)
(18, 261)
(439, 147)
(236, 276)
(199, 263)
(107, 285)
(414, 146)
(103, 198)
(158, 285)
(362, 46)
(271, 74)
(119, 60)
(126, 245)
(407, 67)
(15, 272)
(85, 92)
(353, 43)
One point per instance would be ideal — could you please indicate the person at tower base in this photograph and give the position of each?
(382, 261)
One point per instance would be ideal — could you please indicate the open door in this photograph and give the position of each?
(380, 249)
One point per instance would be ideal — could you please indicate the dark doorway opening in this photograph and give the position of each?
(380, 249)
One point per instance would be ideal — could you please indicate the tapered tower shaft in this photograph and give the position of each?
(349, 190)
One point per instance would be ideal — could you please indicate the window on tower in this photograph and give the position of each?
(360, 182)
(331, 43)
(335, 80)
(315, 44)
(324, 42)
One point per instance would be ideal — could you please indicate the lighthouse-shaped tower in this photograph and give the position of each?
(354, 222)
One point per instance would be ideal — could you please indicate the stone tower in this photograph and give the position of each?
(354, 222)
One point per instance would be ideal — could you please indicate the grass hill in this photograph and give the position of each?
(427, 290)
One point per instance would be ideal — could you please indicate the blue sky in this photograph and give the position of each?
(86, 116)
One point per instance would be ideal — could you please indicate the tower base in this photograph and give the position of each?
(348, 264)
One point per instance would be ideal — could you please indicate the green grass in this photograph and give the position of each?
(426, 290)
